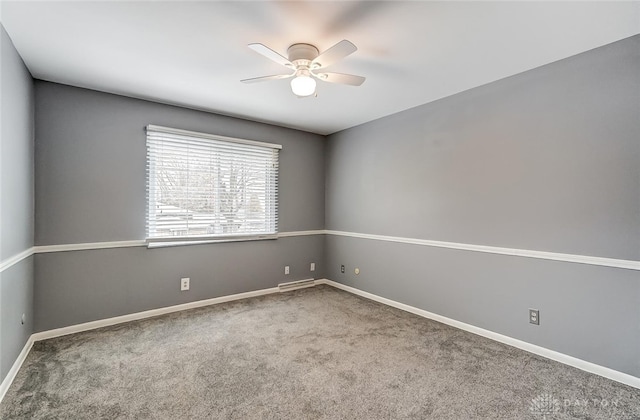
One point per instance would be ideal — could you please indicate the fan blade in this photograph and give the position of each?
(335, 53)
(266, 78)
(345, 79)
(270, 54)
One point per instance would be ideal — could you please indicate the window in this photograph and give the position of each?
(203, 187)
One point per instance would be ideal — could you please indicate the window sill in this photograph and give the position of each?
(165, 244)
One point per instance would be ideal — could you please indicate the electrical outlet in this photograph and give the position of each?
(184, 283)
(357, 271)
(313, 267)
(342, 269)
(286, 269)
(534, 316)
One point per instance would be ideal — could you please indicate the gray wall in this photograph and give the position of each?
(16, 298)
(81, 286)
(91, 162)
(546, 160)
(16, 203)
(16, 171)
(90, 187)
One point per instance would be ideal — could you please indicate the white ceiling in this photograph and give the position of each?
(194, 53)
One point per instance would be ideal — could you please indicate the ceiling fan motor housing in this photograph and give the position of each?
(302, 54)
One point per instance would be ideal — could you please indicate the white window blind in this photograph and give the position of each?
(205, 187)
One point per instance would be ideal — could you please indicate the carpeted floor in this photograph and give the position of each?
(309, 354)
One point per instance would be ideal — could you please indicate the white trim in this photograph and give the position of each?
(514, 342)
(142, 242)
(11, 261)
(301, 233)
(11, 375)
(167, 244)
(72, 329)
(531, 348)
(581, 259)
(553, 256)
(169, 130)
(43, 249)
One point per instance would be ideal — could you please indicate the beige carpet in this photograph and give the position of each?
(309, 354)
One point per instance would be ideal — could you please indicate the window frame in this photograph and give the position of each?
(151, 174)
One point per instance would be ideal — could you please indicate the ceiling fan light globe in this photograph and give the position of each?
(303, 86)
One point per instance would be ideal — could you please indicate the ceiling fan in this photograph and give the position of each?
(305, 61)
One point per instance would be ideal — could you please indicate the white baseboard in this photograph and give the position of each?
(58, 332)
(514, 342)
(11, 375)
(531, 348)
(72, 329)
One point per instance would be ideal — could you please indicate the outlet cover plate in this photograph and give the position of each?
(184, 283)
(534, 316)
